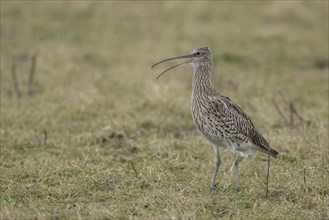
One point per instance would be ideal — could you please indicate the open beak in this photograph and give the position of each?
(173, 58)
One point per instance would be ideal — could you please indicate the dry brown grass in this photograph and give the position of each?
(103, 110)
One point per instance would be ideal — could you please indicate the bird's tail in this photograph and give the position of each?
(272, 152)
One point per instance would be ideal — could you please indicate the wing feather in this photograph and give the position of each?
(240, 123)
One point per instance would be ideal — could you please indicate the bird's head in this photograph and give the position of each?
(197, 58)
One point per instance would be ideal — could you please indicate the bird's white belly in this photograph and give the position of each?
(245, 148)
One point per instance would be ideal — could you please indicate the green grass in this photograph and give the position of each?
(121, 144)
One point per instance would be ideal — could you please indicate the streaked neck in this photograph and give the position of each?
(201, 78)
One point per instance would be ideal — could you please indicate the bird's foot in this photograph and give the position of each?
(236, 190)
(213, 187)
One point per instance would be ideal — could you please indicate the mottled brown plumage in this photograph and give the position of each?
(219, 119)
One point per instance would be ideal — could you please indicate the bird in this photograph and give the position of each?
(222, 122)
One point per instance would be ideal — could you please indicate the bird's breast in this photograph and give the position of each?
(205, 121)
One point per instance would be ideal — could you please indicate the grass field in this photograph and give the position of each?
(96, 136)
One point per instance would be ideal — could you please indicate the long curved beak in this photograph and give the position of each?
(173, 58)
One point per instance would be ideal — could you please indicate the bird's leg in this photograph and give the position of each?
(216, 149)
(236, 164)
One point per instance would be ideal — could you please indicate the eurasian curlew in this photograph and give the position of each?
(219, 119)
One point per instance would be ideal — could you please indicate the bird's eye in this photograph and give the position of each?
(197, 53)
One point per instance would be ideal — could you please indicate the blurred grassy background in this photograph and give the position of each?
(97, 99)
